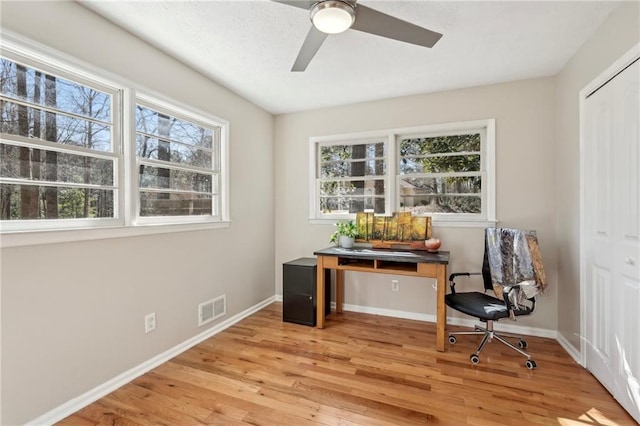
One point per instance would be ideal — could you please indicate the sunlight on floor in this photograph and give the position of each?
(591, 417)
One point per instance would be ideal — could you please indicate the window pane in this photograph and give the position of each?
(338, 161)
(168, 127)
(440, 144)
(147, 147)
(164, 178)
(352, 196)
(175, 204)
(45, 202)
(39, 124)
(443, 185)
(440, 164)
(357, 187)
(447, 155)
(36, 87)
(346, 152)
(441, 195)
(355, 168)
(190, 191)
(340, 205)
(47, 184)
(52, 166)
(426, 204)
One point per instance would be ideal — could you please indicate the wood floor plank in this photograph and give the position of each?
(359, 370)
(100, 414)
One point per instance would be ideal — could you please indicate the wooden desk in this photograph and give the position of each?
(384, 261)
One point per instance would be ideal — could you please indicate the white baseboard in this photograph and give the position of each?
(388, 312)
(505, 326)
(278, 298)
(571, 350)
(104, 389)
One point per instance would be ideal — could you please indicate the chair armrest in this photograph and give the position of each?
(459, 274)
(506, 290)
(452, 277)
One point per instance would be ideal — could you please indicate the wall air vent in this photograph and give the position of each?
(211, 310)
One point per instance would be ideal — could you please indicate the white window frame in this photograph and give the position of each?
(54, 67)
(319, 181)
(126, 223)
(158, 103)
(314, 169)
(485, 127)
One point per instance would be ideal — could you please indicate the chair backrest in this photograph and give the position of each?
(512, 256)
(486, 270)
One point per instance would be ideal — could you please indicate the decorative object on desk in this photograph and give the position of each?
(432, 244)
(345, 234)
(401, 230)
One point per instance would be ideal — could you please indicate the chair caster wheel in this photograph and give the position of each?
(523, 344)
(531, 364)
(452, 340)
(475, 359)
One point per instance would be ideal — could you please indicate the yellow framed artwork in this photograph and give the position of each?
(400, 230)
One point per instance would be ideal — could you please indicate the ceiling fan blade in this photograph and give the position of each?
(309, 48)
(373, 22)
(302, 4)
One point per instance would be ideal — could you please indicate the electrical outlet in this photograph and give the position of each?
(150, 322)
(395, 286)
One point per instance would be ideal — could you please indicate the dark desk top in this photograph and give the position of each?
(407, 256)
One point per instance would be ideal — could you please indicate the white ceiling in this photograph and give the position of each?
(250, 46)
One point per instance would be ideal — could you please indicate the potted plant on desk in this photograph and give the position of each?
(345, 234)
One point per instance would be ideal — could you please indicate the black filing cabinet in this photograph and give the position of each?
(299, 291)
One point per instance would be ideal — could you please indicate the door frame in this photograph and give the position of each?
(609, 73)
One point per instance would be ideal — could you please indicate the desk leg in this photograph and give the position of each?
(320, 293)
(339, 290)
(441, 309)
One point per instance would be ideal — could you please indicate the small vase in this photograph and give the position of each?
(346, 242)
(432, 245)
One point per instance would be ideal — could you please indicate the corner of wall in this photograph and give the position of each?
(610, 41)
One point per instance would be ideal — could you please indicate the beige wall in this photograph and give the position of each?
(72, 313)
(615, 37)
(525, 138)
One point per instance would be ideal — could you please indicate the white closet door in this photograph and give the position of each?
(611, 235)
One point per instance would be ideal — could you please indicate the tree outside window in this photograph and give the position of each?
(56, 159)
(441, 174)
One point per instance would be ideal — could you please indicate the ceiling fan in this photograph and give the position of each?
(336, 16)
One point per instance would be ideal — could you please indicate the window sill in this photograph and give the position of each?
(435, 222)
(31, 238)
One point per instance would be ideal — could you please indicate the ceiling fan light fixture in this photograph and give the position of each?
(332, 16)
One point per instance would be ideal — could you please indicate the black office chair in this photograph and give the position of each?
(512, 269)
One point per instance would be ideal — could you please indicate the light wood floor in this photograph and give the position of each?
(360, 370)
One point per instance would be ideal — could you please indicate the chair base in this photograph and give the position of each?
(488, 334)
